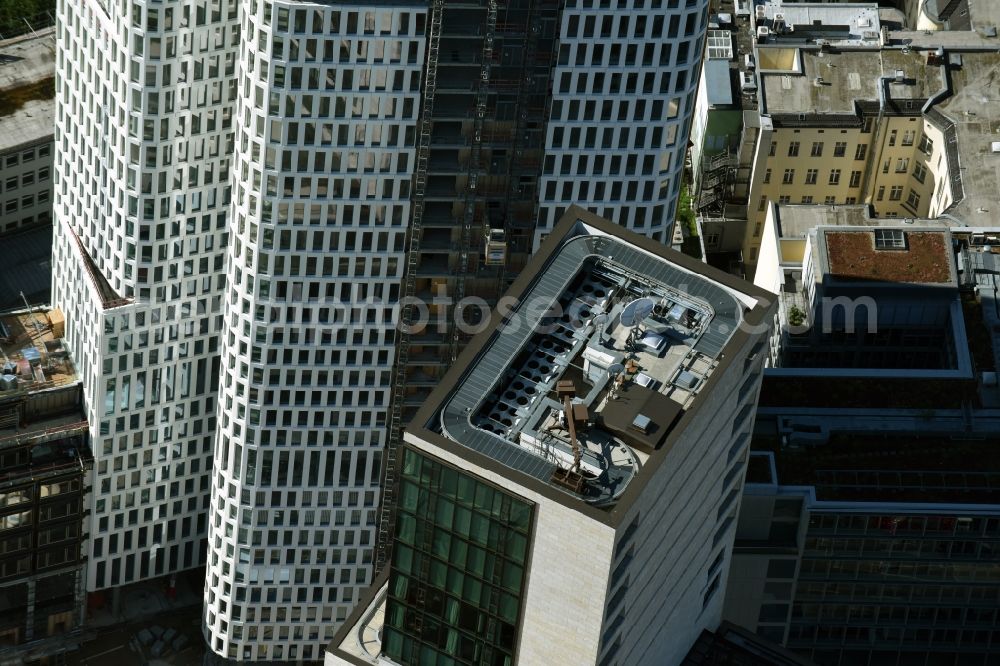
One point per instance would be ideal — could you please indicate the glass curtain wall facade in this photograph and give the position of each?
(883, 588)
(458, 568)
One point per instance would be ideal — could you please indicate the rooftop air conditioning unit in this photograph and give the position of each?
(864, 23)
(900, 76)
(763, 33)
(818, 81)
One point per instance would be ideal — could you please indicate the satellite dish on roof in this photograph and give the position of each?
(616, 369)
(636, 311)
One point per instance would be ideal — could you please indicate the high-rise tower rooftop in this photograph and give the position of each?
(634, 335)
(582, 459)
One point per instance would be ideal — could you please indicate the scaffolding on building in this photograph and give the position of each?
(474, 195)
(388, 472)
(471, 196)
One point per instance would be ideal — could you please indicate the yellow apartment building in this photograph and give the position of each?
(845, 127)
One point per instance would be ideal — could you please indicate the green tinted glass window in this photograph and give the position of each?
(406, 528)
(463, 518)
(394, 618)
(476, 562)
(516, 547)
(508, 607)
(399, 586)
(480, 529)
(459, 549)
(520, 516)
(497, 505)
(439, 574)
(404, 558)
(411, 465)
(449, 483)
(457, 572)
(512, 577)
(392, 641)
(444, 513)
(455, 579)
(484, 497)
(442, 544)
(466, 490)
(426, 475)
(451, 642)
(409, 495)
(473, 590)
(451, 611)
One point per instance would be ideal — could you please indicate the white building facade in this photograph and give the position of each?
(326, 116)
(142, 150)
(623, 96)
(231, 199)
(166, 117)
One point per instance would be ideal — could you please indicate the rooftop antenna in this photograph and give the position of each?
(31, 314)
(600, 320)
(616, 372)
(566, 389)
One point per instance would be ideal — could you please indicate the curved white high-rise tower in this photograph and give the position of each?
(325, 124)
(623, 95)
(232, 200)
(143, 139)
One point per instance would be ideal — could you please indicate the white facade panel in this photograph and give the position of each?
(623, 95)
(326, 114)
(140, 208)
